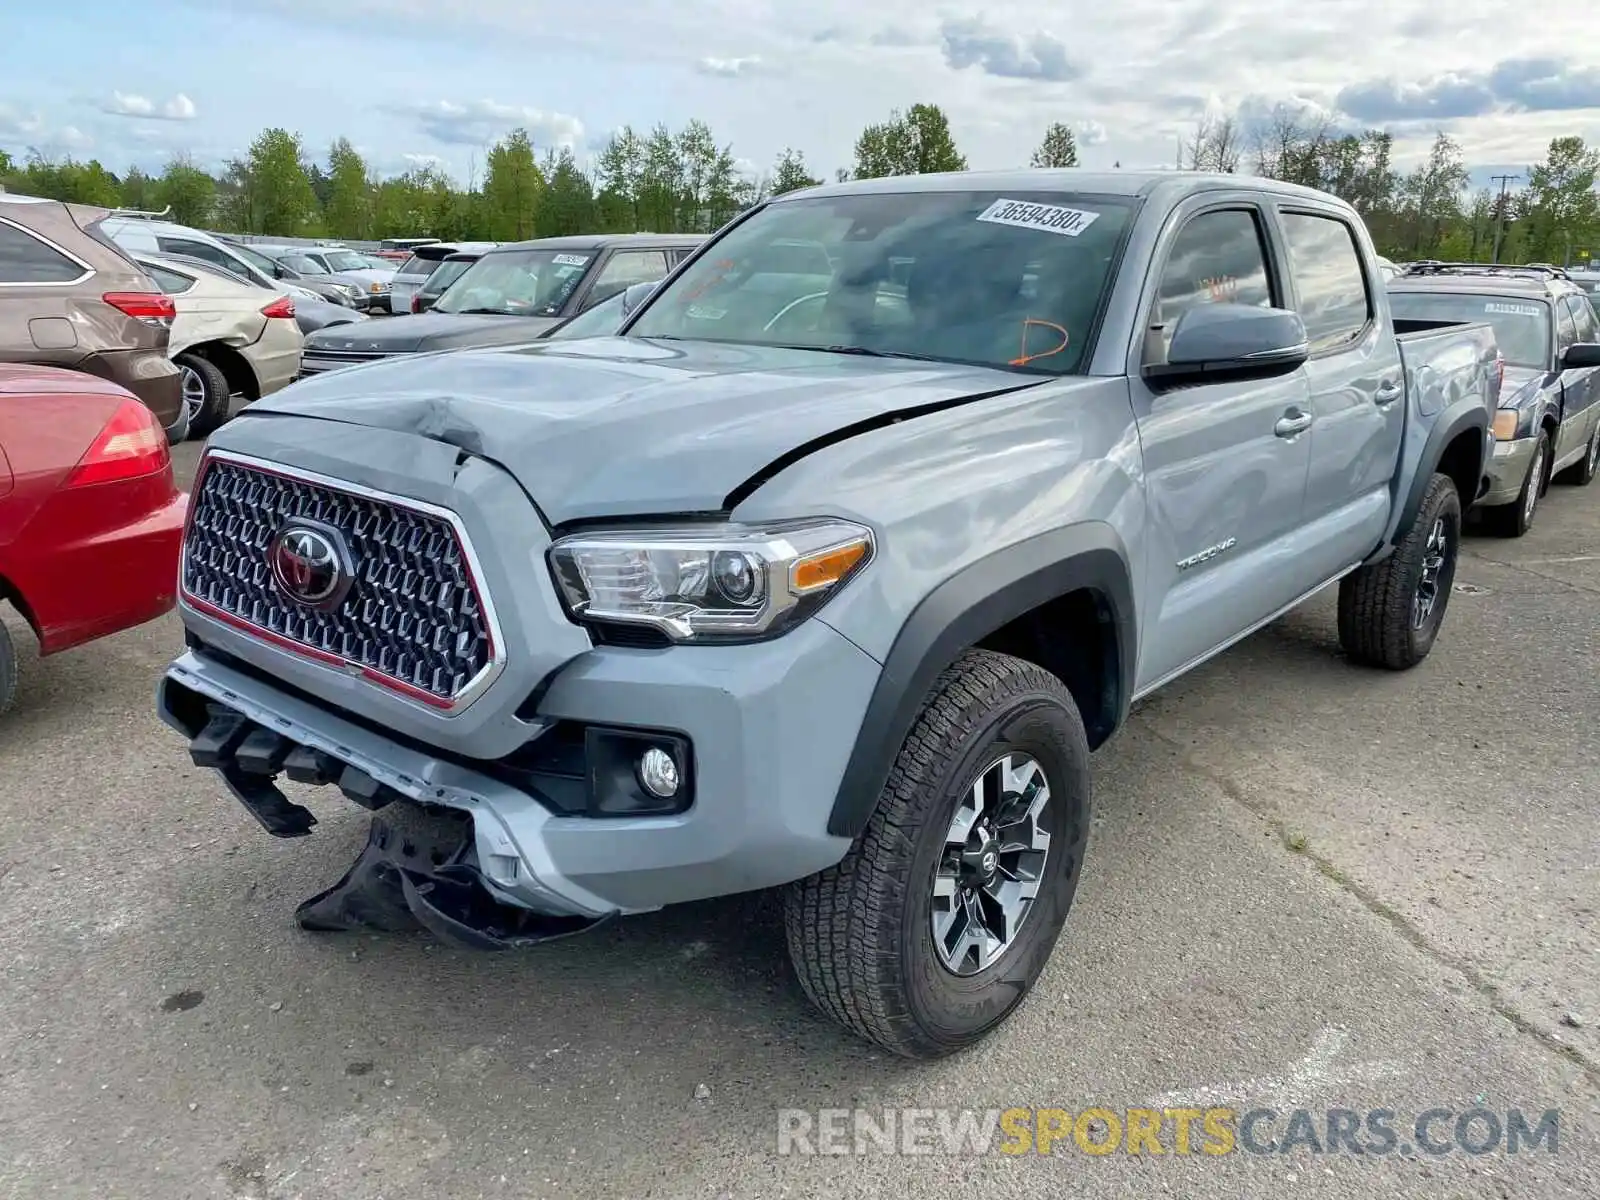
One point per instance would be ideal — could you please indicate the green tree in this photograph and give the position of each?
(347, 199)
(1430, 199)
(661, 184)
(188, 192)
(138, 190)
(913, 143)
(512, 184)
(566, 206)
(279, 187)
(619, 171)
(1561, 211)
(69, 180)
(790, 174)
(1059, 148)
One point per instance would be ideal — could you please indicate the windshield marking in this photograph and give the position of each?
(1514, 310)
(570, 260)
(1052, 218)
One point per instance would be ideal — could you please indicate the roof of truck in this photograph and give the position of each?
(1066, 179)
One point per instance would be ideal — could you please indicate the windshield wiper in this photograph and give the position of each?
(473, 312)
(864, 352)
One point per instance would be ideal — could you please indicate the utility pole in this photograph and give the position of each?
(1500, 211)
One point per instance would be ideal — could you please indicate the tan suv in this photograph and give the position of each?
(69, 298)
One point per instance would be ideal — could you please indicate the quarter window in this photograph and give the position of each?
(1217, 257)
(170, 282)
(1328, 278)
(25, 259)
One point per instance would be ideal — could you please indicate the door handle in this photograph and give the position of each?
(1388, 392)
(1293, 423)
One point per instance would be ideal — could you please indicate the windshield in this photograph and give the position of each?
(996, 279)
(446, 274)
(1521, 327)
(600, 321)
(346, 260)
(524, 283)
(299, 262)
(254, 257)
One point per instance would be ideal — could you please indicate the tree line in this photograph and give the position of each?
(686, 181)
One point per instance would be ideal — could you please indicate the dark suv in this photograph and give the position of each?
(69, 298)
(1548, 423)
(515, 293)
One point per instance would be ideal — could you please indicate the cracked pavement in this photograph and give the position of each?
(1308, 885)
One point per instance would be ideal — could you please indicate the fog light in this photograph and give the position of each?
(658, 773)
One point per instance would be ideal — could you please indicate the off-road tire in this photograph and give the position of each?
(1376, 625)
(213, 409)
(1582, 472)
(860, 933)
(1513, 520)
(8, 670)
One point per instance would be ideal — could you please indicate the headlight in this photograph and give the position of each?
(379, 287)
(711, 583)
(1505, 424)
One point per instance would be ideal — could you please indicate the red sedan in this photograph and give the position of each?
(90, 517)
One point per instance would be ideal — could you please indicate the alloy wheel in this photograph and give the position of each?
(194, 392)
(993, 861)
(1433, 559)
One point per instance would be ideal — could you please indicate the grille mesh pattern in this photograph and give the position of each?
(412, 613)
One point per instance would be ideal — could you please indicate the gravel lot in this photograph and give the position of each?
(1308, 886)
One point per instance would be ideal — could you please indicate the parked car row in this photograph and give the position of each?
(503, 295)
(186, 323)
(1547, 426)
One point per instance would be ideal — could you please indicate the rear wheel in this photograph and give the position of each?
(205, 393)
(1390, 611)
(938, 921)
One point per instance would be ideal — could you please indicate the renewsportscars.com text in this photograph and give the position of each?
(1179, 1132)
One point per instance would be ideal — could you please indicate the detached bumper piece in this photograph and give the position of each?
(417, 867)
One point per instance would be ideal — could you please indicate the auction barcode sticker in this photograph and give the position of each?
(1514, 310)
(570, 260)
(1052, 218)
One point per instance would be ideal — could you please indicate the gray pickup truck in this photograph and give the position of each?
(830, 588)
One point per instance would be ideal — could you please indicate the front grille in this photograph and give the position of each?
(412, 615)
(312, 361)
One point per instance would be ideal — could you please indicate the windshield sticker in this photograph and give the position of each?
(1514, 310)
(1052, 218)
(570, 260)
(704, 312)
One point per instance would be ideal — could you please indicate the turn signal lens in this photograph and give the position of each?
(1505, 424)
(826, 569)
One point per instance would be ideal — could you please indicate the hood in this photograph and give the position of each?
(366, 275)
(628, 427)
(436, 331)
(1520, 386)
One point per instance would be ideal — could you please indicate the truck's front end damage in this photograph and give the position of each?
(372, 612)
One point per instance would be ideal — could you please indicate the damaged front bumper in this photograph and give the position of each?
(437, 855)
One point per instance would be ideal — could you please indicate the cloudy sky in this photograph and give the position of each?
(134, 82)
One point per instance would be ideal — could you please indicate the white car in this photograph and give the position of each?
(137, 232)
(229, 339)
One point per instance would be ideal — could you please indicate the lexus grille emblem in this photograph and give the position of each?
(308, 566)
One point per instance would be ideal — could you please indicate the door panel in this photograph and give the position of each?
(1580, 389)
(1357, 388)
(1226, 491)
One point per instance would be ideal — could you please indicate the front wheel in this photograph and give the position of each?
(938, 921)
(1390, 611)
(1515, 519)
(205, 393)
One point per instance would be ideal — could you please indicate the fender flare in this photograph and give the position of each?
(1464, 415)
(963, 610)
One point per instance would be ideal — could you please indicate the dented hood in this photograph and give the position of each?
(624, 426)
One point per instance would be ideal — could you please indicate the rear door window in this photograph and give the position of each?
(626, 268)
(420, 267)
(24, 259)
(1328, 277)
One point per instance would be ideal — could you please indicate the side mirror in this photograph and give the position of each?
(635, 295)
(1215, 343)
(1581, 354)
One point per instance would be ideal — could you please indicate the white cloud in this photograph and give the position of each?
(479, 122)
(131, 104)
(729, 68)
(1091, 133)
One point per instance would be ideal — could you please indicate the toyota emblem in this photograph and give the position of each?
(309, 566)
